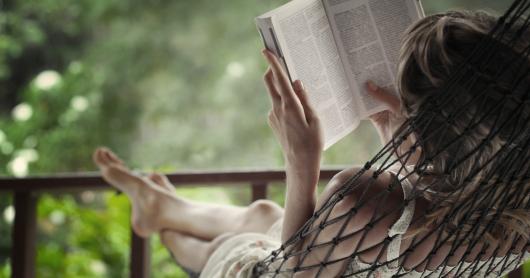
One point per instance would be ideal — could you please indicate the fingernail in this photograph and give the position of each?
(371, 86)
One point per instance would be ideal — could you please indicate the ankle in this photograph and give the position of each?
(173, 212)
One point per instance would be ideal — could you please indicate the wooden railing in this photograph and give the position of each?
(26, 191)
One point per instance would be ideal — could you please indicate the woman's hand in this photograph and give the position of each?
(385, 122)
(388, 121)
(293, 119)
(297, 129)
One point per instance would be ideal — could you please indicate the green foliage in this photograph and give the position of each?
(167, 84)
(84, 237)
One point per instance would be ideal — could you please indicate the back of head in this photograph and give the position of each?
(474, 142)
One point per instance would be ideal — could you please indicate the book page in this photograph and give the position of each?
(310, 53)
(368, 35)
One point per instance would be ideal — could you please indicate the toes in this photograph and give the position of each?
(99, 157)
(162, 181)
(112, 156)
(157, 178)
(104, 157)
(166, 181)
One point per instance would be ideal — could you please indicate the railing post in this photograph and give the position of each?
(140, 256)
(259, 191)
(23, 247)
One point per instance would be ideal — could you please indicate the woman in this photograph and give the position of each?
(228, 241)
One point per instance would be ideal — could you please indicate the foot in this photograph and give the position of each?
(163, 182)
(149, 196)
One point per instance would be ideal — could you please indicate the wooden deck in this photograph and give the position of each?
(26, 192)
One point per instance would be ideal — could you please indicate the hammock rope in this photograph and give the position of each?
(498, 96)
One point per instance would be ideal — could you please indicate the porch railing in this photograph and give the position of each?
(26, 190)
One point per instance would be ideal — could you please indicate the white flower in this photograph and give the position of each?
(18, 167)
(235, 69)
(75, 67)
(30, 155)
(30, 142)
(47, 80)
(98, 267)
(6, 147)
(2, 136)
(79, 103)
(9, 214)
(22, 112)
(57, 217)
(88, 196)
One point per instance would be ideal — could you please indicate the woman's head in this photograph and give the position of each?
(434, 49)
(431, 50)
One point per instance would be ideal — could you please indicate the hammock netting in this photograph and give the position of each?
(468, 214)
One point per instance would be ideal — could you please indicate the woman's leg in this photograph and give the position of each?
(155, 208)
(180, 244)
(191, 252)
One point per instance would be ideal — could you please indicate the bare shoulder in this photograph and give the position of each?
(368, 203)
(366, 197)
(364, 185)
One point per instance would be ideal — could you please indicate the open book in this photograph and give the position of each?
(334, 47)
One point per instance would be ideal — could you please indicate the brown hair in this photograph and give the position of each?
(432, 49)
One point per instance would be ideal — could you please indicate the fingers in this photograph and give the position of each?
(391, 100)
(285, 89)
(281, 91)
(301, 93)
(273, 92)
(273, 121)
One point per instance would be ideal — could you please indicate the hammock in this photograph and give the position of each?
(468, 213)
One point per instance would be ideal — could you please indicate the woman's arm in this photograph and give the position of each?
(297, 129)
(300, 199)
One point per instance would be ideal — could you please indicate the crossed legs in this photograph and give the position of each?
(191, 230)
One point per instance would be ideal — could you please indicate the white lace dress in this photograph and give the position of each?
(238, 256)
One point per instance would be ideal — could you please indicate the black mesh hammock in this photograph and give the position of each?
(472, 214)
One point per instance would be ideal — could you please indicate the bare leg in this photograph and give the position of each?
(180, 244)
(191, 252)
(155, 208)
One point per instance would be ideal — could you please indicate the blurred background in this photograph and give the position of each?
(169, 85)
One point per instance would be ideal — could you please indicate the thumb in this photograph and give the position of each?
(390, 99)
